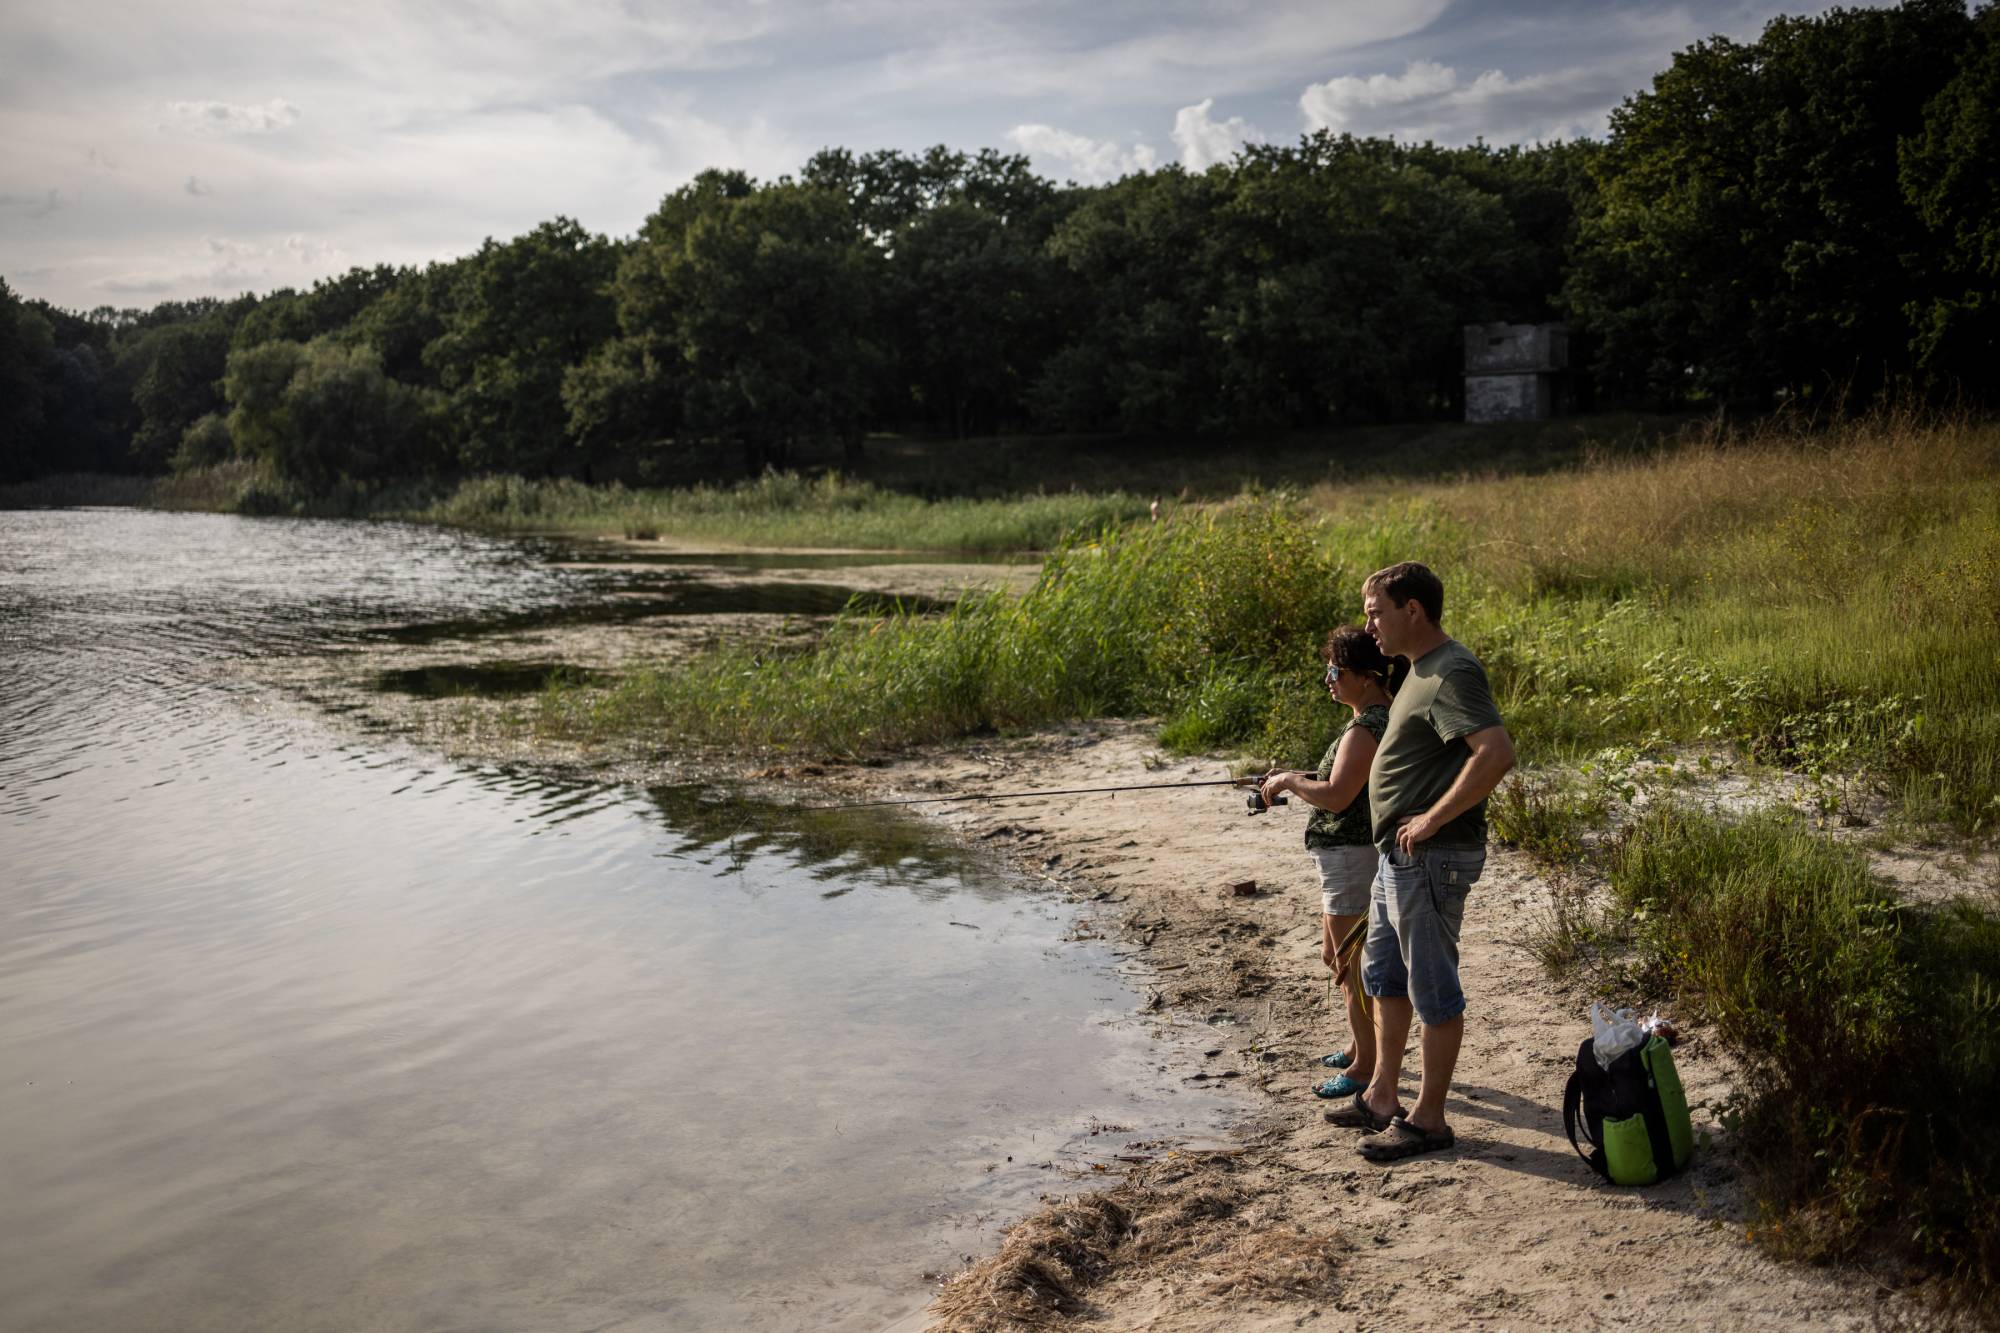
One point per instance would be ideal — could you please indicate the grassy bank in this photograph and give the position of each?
(1007, 493)
(779, 510)
(786, 509)
(1201, 616)
(1832, 603)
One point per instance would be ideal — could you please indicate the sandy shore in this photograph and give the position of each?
(1508, 1230)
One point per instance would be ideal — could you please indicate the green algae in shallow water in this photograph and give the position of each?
(453, 679)
(690, 599)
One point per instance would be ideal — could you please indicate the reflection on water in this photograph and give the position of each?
(719, 825)
(303, 1033)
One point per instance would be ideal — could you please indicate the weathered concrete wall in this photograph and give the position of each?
(1496, 349)
(1511, 370)
(1509, 397)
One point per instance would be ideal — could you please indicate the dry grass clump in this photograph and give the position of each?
(1201, 1232)
(1277, 1262)
(1042, 1267)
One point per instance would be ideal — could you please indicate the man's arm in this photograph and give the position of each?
(1492, 755)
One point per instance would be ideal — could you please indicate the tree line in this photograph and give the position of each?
(1810, 215)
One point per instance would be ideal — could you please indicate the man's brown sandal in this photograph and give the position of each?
(1400, 1139)
(1357, 1114)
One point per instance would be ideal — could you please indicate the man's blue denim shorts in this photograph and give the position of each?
(1413, 922)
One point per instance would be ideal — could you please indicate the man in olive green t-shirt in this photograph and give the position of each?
(1442, 754)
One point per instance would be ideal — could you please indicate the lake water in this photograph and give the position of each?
(300, 1029)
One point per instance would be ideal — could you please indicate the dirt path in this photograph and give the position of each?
(1509, 1230)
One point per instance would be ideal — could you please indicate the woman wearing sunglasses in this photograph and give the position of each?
(1339, 836)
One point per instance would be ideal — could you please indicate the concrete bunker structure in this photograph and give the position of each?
(1514, 372)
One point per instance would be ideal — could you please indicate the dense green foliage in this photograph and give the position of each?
(1750, 237)
(319, 413)
(1808, 217)
(525, 312)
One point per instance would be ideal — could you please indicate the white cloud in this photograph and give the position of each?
(683, 142)
(1204, 141)
(1429, 101)
(396, 131)
(1078, 158)
(1334, 105)
(231, 117)
(221, 264)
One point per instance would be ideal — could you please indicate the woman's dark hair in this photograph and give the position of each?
(1352, 648)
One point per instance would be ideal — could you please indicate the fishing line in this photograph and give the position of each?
(1065, 791)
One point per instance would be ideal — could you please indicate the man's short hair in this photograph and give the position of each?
(1399, 583)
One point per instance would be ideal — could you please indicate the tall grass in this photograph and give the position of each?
(1869, 1033)
(780, 509)
(1831, 601)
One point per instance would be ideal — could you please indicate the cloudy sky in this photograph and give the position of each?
(152, 150)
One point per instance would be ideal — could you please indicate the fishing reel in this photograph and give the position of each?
(1257, 804)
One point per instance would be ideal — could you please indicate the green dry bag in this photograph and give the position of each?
(1633, 1115)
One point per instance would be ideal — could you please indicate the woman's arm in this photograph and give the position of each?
(1342, 785)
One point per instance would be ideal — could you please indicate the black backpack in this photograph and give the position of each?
(1634, 1115)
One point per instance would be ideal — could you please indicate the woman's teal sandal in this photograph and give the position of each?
(1344, 1086)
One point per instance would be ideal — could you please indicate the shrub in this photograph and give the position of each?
(1866, 1028)
(204, 444)
(1546, 816)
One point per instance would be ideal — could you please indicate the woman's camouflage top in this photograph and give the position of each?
(1349, 827)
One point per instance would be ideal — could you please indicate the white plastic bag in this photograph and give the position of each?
(1613, 1034)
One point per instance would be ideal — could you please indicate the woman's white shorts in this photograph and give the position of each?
(1346, 876)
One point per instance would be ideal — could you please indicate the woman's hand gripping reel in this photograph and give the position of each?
(1257, 804)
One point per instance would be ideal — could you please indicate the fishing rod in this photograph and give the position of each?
(1257, 804)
